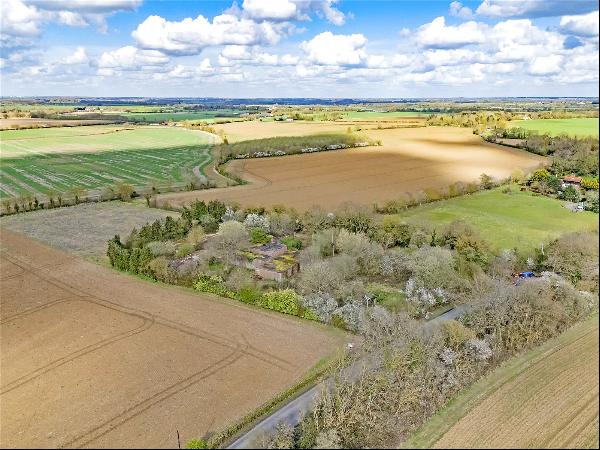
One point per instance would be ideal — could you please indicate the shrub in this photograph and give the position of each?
(125, 191)
(473, 249)
(208, 223)
(321, 304)
(292, 243)
(184, 250)
(159, 269)
(456, 334)
(281, 224)
(258, 236)
(256, 221)
(197, 443)
(239, 278)
(486, 182)
(540, 175)
(213, 284)
(590, 183)
(357, 219)
(195, 236)
(571, 194)
(162, 248)
(249, 294)
(591, 201)
(285, 301)
(338, 322)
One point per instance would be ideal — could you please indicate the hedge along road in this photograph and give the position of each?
(92, 357)
(292, 412)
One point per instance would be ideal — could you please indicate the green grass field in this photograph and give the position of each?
(94, 157)
(520, 219)
(154, 117)
(554, 127)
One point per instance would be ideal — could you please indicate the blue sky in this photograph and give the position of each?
(299, 48)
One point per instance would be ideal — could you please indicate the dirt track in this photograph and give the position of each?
(409, 160)
(94, 358)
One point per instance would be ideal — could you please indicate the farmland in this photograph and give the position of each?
(38, 160)
(83, 229)
(518, 219)
(242, 131)
(377, 115)
(176, 116)
(555, 127)
(94, 358)
(544, 398)
(409, 160)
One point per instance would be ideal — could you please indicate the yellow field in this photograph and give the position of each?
(241, 131)
(409, 160)
(546, 398)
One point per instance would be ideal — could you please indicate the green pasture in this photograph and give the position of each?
(154, 117)
(94, 157)
(519, 219)
(555, 127)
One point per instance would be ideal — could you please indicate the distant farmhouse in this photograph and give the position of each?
(571, 181)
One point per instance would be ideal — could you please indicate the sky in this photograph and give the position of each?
(299, 48)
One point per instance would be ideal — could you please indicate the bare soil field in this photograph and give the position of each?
(83, 229)
(545, 398)
(94, 358)
(409, 160)
(28, 122)
(241, 131)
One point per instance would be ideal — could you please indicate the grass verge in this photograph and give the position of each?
(315, 375)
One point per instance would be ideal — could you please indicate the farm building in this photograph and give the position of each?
(272, 261)
(571, 181)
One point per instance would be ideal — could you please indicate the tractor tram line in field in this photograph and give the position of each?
(40, 160)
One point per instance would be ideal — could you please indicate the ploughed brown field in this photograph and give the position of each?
(410, 159)
(243, 131)
(94, 358)
(551, 404)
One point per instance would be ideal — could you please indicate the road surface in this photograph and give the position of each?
(292, 412)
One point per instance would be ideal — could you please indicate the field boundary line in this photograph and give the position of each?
(470, 403)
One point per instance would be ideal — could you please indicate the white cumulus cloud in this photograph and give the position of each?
(457, 9)
(189, 36)
(534, 8)
(437, 34)
(582, 25)
(336, 50)
(546, 65)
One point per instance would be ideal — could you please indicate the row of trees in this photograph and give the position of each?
(404, 372)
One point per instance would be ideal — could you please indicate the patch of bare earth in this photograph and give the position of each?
(410, 159)
(552, 404)
(94, 358)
